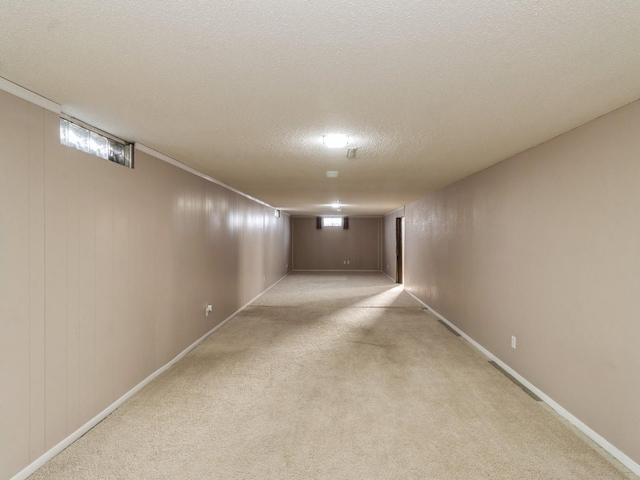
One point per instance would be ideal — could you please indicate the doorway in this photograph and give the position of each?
(400, 250)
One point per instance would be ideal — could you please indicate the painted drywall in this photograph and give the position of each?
(546, 246)
(105, 274)
(329, 248)
(389, 241)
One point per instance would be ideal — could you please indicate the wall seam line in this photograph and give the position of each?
(30, 420)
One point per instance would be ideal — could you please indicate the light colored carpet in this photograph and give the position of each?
(333, 376)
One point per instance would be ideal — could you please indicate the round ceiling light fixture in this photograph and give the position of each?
(335, 140)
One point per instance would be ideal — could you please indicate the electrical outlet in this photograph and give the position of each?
(513, 341)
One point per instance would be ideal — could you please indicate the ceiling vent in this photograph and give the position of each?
(351, 152)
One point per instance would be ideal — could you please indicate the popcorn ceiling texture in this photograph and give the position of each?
(431, 92)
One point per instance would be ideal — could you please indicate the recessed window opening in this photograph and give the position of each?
(98, 144)
(332, 221)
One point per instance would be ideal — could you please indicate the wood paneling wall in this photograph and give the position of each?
(105, 273)
(545, 246)
(330, 248)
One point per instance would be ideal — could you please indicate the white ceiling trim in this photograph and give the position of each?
(29, 96)
(399, 212)
(176, 163)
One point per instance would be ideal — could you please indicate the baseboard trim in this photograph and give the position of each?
(392, 279)
(588, 431)
(48, 455)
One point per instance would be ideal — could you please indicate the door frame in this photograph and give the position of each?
(400, 249)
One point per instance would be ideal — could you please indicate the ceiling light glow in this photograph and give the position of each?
(335, 140)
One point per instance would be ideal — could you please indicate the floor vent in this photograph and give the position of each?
(510, 377)
(449, 328)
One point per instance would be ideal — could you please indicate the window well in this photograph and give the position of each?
(332, 221)
(89, 141)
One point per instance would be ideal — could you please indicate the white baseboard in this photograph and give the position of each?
(44, 458)
(593, 435)
(392, 279)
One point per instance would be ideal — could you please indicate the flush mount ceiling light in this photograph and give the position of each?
(332, 173)
(335, 140)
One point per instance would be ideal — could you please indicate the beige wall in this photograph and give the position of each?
(546, 246)
(330, 247)
(389, 241)
(105, 273)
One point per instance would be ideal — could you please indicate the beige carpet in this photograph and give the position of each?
(333, 376)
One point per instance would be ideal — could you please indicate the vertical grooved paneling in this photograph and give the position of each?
(224, 253)
(242, 230)
(146, 263)
(288, 242)
(56, 284)
(161, 210)
(105, 275)
(74, 159)
(210, 271)
(181, 328)
(14, 284)
(37, 280)
(166, 281)
(123, 341)
(105, 348)
(87, 231)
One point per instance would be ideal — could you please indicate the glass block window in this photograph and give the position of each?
(81, 138)
(332, 221)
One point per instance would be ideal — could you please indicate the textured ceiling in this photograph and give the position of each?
(430, 91)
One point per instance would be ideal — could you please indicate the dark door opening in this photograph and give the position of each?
(399, 250)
